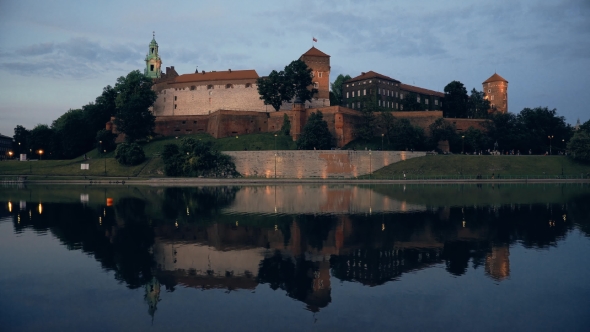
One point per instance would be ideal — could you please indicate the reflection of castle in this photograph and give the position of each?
(497, 263)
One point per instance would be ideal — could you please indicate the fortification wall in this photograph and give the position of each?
(315, 164)
(464, 124)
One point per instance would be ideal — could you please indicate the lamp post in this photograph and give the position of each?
(563, 144)
(275, 156)
(40, 154)
(30, 166)
(105, 161)
(550, 138)
(382, 141)
(10, 154)
(463, 144)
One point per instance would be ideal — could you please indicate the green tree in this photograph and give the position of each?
(294, 81)
(405, 136)
(134, 98)
(584, 126)
(99, 113)
(455, 102)
(505, 130)
(410, 103)
(73, 134)
(365, 129)
(475, 140)
(538, 124)
(42, 138)
(108, 141)
(315, 134)
(442, 130)
(196, 158)
(336, 89)
(579, 146)
(477, 105)
(286, 127)
(22, 136)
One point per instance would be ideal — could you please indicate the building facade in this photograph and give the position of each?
(496, 91)
(387, 94)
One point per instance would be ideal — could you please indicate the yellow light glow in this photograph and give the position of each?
(463, 223)
(236, 223)
(40, 208)
(9, 206)
(382, 227)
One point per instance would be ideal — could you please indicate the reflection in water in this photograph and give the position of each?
(212, 237)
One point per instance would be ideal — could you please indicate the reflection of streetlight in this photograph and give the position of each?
(463, 142)
(550, 138)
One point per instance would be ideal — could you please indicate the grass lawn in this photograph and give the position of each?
(467, 165)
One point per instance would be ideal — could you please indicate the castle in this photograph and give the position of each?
(227, 103)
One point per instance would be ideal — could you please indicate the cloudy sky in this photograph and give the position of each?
(58, 54)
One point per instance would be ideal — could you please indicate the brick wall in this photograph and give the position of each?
(315, 164)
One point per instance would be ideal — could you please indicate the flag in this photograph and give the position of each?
(315, 40)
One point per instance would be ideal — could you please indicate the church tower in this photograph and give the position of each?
(319, 63)
(495, 90)
(152, 60)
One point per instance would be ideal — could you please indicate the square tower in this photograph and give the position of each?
(319, 63)
(495, 90)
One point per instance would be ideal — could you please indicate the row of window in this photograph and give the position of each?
(371, 81)
(210, 87)
(319, 74)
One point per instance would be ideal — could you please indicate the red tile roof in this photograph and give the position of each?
(315, 52)
(495, 78)
(217, 76)
(423, 91)
(370, 74)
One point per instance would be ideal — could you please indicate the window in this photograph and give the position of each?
(248, 85)
(364, 92)
(312, 74)
(320, 74)
(209, 87)
(396, 94)
(183, 122)
(401, 96)
(175, 98)
(347, 95)
(358, 104)
(359, 93)
(492, 97)
(347, 85)
(229, 86)
(418, 99)
(426, 101)
(396, 106)
(174, 106)
(316, 85)
(352, 94)
(193, 88)
(379, 91)
(151, 67)
(401, 107)
(489, 90)
(379, 102)
(436, 102)
(352, 84)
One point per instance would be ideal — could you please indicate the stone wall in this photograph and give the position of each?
(464, 124)
(315, 164)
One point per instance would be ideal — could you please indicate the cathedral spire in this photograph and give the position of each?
(153, 62)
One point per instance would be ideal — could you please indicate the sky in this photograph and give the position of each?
(57, 55)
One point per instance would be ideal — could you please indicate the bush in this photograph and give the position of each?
(195, 158)
(129, 154)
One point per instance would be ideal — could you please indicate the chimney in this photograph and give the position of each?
(363, 73)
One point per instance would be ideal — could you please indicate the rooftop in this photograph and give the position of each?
(495, 78)
(423, 91)
(371, 74)
(217, 76)
(314, 52)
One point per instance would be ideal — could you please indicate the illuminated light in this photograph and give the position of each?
(463, 223)
(9, 206)
(564, 217)
(40, 208)
(109, 201)
(18, 218)
(100, 220)
(187, 213)
(382, 227)
(276, 227)
(104, 212)
(176, 223)
(236, 223)
(275, 209)
(30, 214)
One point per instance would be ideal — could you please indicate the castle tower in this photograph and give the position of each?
(495, 89)
(319, 63)
(152, 60)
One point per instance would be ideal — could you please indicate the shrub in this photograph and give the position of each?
(129, 154)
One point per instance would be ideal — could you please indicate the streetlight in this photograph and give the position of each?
(370, 166)
(463, 143)
(105, 162)
(382, 141)
(275, 156)
(563, 143)
(10, 154)
(550, 138)
(40, 154)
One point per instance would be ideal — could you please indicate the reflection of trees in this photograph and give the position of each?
(579, 212)
(204, 201)
(315, 228)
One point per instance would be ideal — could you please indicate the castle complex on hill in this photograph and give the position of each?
(227, 103)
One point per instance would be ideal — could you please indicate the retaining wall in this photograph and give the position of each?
(315, 164)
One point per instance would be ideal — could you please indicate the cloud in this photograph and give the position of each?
(75, 58)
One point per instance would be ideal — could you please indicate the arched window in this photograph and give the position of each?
(209, 87)
(229, 86)
(316, 85)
